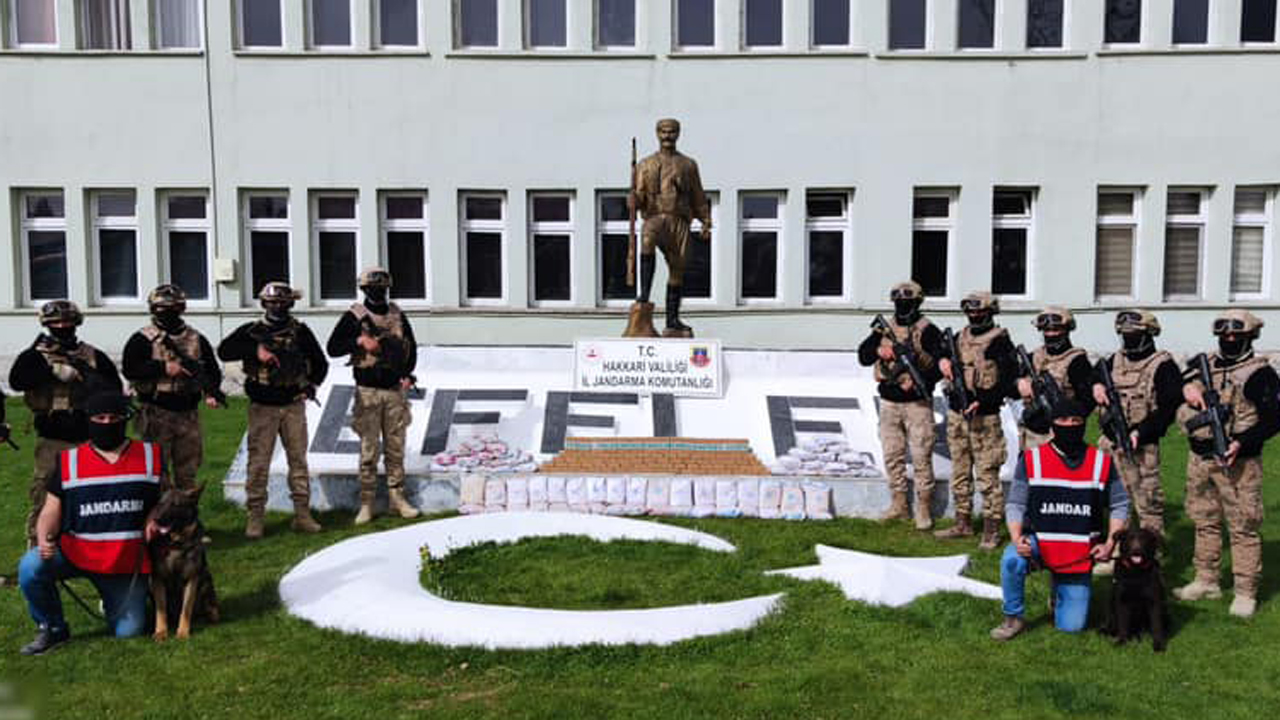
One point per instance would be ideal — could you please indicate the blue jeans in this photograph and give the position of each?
(125, 609)
(1071, 591)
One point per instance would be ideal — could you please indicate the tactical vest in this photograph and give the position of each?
(912, 336)
(1136, 384)
(1064, 505)
(1057, 367)
(1229, 382)
(188, 342)
(980, 372)
(391, 323)
(57, 395)
(294, 369)
(105, 505)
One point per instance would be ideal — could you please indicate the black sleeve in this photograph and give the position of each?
(1168, 387)
(342, 341)
(30, 370)
(238, 346)
(138, 363)
(868, 350)
(410, 346)
(315, 356)
(1080, 376)
(1097, 371)
(1261, 389)
(107, 369)
(209, 361)
(53, 481)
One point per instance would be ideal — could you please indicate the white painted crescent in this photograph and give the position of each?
(370, 585)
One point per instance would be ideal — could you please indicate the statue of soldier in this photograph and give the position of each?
(667, 191)
(172, 367)
(283, 365)
(56, 375)
(379, 339)
(1066, 364)
(1230, 487)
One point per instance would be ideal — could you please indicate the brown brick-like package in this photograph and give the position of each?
(655, 456)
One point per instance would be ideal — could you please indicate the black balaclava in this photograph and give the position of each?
(168, 319)
(907, 310)
(108, 436)
(1235, 350)
(375, 295)
(1057, 344)
(277, 312)
(65, 335)
(982, 321)
(1137, 344)
(1069, 439)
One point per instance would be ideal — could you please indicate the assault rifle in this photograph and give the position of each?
(92, 380)
(392, 348)
(631, 222)
(1215, 414)
(1045, 391)
(1112, 416)
(958, 393)
(196, 369)
(289, 360)
(905, 356)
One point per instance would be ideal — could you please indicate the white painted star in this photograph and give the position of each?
(890, 581)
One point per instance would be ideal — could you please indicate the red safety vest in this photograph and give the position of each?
(1065, 506)
(105, 506)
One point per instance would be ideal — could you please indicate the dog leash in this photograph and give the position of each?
(128, 593)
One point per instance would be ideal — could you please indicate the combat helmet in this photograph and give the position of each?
(167, 297)
(1054, 317)
(58, 311)
(907, 290)
(375, 277)
(1237, 320)
(1137, 321)
(980, 301)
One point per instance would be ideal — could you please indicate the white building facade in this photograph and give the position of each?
(1098, 154)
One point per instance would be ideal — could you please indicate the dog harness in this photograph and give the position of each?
(1065, 505)
(105, 506)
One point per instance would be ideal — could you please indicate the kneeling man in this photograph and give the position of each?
(1054, 513)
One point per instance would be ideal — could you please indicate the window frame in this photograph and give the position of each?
(853, 23)
(28, 225)
(695, 228)
(1199, 222)
(250, 225)
(458, 44)
(170, 225)
(309, 30)
(997, 22)
(1266, 221)
(15, 43)
(678, 47)
(610, 227)
(386, 226)
(947, 225)
(843, 225)
(375, 24)
(156, 33)
(782, 29)
(466, 226)
(241, 43)
(126, 37)
(928, 40)
(635, 29)
(776, 225)
(1017, 222)
(316, 226)
(1133, 221)
(98, 223)
(553, 227)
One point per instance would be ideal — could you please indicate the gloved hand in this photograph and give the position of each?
(64, 373)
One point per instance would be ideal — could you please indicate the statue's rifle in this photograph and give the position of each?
(631, 223)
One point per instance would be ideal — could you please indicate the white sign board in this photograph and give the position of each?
(683, 368)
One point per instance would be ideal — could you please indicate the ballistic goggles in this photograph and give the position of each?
(1222, 326)
(903, 294)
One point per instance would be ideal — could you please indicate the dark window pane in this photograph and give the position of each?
(764, 22)
(337, 265)
(977, 23)
(697, 268)
(546, 23)
(484, 208)
(1009, 261)
(260, 23)
(617, 23)
(551, 209)
(404, 208)
(759, 207)
(484, 265)
(825, 205)
(929, 260)
(406, 255)
(187, 207)
(336, 208)
(45, 206)
(269, 207)
(830, 22)
(696, 22)
(398, 22)
(478, 23)
(1190, 22)
(613, 268)
(1258, 21)
(116, 204)
(47, 257)
(118, 263)
(1113, 203)
(1124, 21)
(1044, 23)
(550, 267)
(906, 24)
(932, 206)
(826, 263)
(759, 264)
(614, 207)
(330, 22)
(1011, 202)
(188, 263)
(269, 253)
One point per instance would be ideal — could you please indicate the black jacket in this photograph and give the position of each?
(31, 371)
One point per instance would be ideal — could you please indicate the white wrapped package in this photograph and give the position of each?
(537, 491)
(575, 491)
(597, 491)
(518, 494)
(770, 498)
(817, 501)
(555, 491)
(495, 494)
(792, 502)
(471, 494)
(681, 496)
(727, 498)
(704, 497)
(636, 488)
(658, 496)
(615, 491)
(749, 497)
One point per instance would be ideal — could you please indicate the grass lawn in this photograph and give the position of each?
(819, 657)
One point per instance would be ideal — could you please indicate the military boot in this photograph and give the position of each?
(365, 514)
(1243, 606)
(990, 534)
(962, 529)
(923, 513)
(253, 527)
(302, 520)
(401, 505)
(1009, 629)
(898, 509)
(1198, 590)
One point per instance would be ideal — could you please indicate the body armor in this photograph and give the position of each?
(1135, 381)
(57, 395)
(980, 373)
(1058, 366)
(389, 324)
(294, 369)
(188, 342)
(911, 335)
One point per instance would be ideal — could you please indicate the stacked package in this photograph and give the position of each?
(483, 454)
(830, 457)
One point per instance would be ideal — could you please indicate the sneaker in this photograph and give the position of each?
(1009, 629)
(1243, 606)
(1199, 590)
(45, 641)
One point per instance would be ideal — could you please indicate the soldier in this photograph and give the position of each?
(171, 366)
(1231, 486)
(1066, 364)
(1150, 389)
(985, 364)
(906, 411)
(668, 194)
(379, 339)
(56, 375)
(283, 364)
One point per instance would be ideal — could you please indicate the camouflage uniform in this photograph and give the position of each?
(1135, 383)
(1057, 366)
(908, 425)
(977, 444)
(177, 432)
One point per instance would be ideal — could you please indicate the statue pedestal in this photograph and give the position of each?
(640, 321)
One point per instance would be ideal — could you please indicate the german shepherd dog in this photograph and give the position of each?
(180, 580)
(1138, 599)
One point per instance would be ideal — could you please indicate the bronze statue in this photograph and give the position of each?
(667, 191)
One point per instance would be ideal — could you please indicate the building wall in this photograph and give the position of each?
(874, 121)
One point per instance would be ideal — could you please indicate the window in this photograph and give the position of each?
(267, 229)
(104, 24)
(695, 23)
(329, 23)
(612, 245)
(545, 24)
(405, 243)
(177, 24)
(1251, 242)
(115, 243)
(1011, 214)
(762, 23)
(760, 225)
(908, 22)
(1117, 232)
(483, 236)
(1123, 22)
(550, 244)
(615, 23)
(1184, 231)
(1258, 21)
(932, 219)
(184, 225)
(476, 23)
(826, 230)
(44, 244)
(33, 23)
(397, 24)
(697, 267)
(1190, 22)
(832, 23)
(977, 24)
(1044, 23)
(335, 231)
(261, 24)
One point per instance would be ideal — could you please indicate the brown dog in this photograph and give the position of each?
(180, 580)
(1138, 599)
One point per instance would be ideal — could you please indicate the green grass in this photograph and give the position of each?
(819, 657)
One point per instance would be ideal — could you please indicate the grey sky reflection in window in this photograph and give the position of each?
(830, 22)
(907, 24)
(616, 23)
(478, 23)
(260, 23)
(1190, 22)
(763, 23)
(696, 23)
(545, 22)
